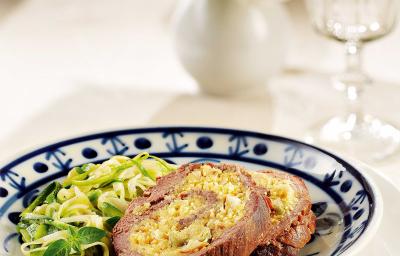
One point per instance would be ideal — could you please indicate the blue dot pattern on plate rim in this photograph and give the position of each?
(204, 142)
(142, 143)
(40, 167)
(89, 153)
(260, 149)
(55, 161)
(3, 192)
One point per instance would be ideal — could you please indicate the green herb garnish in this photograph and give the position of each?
(58, 248)
(84, 236)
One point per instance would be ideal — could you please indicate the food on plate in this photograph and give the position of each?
(145, 206)
(173, 219)
(77, 215)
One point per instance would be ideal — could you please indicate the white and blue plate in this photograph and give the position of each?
(345, 201)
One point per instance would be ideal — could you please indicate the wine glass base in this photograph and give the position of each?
(364, 137)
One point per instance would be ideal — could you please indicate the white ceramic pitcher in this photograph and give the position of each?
(231, 47)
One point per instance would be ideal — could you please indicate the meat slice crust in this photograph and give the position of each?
(293, 222)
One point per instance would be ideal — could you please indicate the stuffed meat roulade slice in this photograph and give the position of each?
(201, 209)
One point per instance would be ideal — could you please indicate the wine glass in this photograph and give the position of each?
(354, 22)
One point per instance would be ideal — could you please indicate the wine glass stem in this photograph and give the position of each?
(354, 79)
(353, 54)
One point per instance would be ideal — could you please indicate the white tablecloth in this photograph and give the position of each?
(71, 67)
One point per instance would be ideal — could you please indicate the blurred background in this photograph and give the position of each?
(70, 67)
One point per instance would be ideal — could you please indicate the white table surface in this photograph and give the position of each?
(72, 67)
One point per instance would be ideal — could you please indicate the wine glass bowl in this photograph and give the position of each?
(345, 20)
(354, 22)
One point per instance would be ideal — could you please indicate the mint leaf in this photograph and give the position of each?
(75, 244)
(73, 240)
(88, 235)
(72, 231)
(58, 248)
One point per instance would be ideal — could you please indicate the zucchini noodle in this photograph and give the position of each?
(92, 195)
